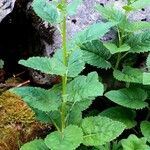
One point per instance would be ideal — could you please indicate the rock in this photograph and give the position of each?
(6, 6)
(2, 73)
(86, 15)
(34, 37)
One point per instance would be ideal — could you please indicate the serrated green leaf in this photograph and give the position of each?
(127, 8)
(46, 10)
(56, 117)
(129, 74)
(84, 87)
(111, 13)
(100, 130)
(42, 116)
(37, 144)
(146, 75)
(146, 88)
(75, 114)
(139, 4)
(92, 32)
(72, 7)
(82, 147)
(53, 117)
(83, 105)
(148, 62)
(75, 62)
(38, 98)
(70, 139)
(45, 65)
(106, 146)
(74, 117)
(94, 53)
(121, 114)
(135, 26)
(132, 98)
(1, 64)
(134, 143)
(146, 78)
(114, 49)
(145, 128)
(139, 43)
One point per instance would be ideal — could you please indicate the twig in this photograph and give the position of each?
(9, 85)
(18, 74)
(24, 83)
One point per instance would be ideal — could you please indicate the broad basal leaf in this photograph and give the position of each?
(131, 98)
(94, 53)
(145, 128)
(72, 7)
(37, 144)
(129, 74)
(38, 98)
(121, 114)
(46, 10)
(134, 143)
(70, 139)
(75, 62)
(84, 87)
(45, 65)
(114, 49)
(100, 130)
(111, 13)
(140, 42)
(92, 32)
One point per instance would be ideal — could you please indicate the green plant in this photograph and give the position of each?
(1, 64)
(63, 104)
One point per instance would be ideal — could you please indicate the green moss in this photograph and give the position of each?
(17, 122)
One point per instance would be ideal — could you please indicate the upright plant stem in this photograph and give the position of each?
(148, 114)
(64, 78)
(119, 55)
(64, 46)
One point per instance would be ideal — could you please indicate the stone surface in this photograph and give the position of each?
(86, 15)
(6, 6)
(36, 37)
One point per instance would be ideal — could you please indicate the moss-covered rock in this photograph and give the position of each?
(17, 123)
